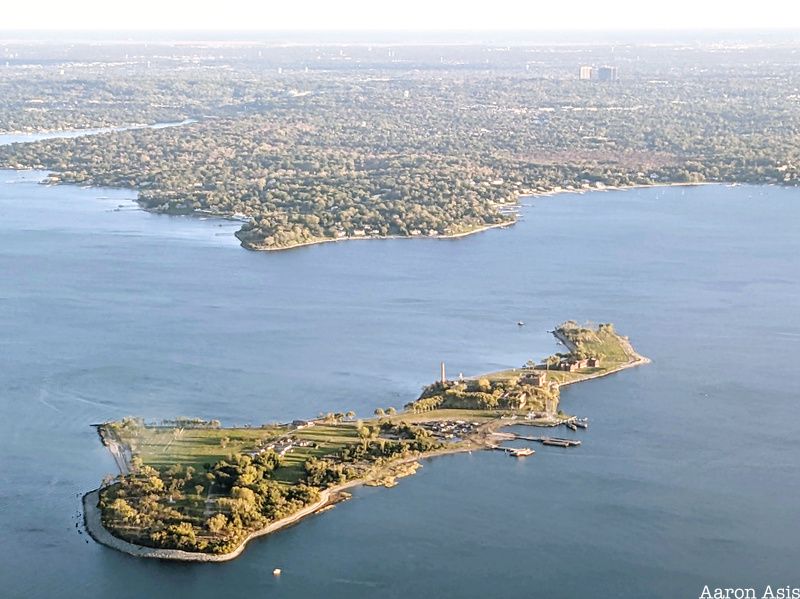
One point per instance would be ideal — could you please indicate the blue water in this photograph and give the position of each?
(688, 476)
(10, 138)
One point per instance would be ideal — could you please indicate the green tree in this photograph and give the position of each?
(216, 523)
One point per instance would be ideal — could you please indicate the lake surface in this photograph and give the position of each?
(689, 474)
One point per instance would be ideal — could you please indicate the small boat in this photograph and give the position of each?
(276, 572)
(522, 452)
(520, 323)
(571, 426)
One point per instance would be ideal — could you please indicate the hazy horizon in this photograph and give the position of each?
(412, 15)
(771, 36)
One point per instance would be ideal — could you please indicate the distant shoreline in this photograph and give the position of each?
(513, 221)
(257, 248)
(583, 190)
(481, 229)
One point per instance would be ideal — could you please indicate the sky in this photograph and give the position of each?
(413, 15)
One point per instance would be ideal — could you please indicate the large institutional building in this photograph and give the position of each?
(607, 73)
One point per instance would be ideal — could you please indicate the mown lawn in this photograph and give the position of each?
(329, 439)
(454, 414)
(163, 447)
(328, 433)
(601, 342)
(608, 346)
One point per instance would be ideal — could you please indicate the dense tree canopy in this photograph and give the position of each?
(440, 144)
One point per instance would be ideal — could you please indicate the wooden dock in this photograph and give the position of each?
(552, 441)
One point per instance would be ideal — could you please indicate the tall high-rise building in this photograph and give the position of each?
(584, 73)
(607, 73)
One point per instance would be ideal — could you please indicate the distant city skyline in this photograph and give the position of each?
(411, 15)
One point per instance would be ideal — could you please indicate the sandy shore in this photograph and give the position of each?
(582, 190)
(116, 448)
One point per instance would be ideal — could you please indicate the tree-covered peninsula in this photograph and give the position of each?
(310, 144)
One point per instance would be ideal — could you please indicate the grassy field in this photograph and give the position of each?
(451, 414)
(338, 433)
(329, 438)
(163, 447)
(602, 341)
(555, 376)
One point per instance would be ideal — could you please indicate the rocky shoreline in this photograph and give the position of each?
(94, 526)
(328, 497)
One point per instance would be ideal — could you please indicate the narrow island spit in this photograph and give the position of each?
(192, 490)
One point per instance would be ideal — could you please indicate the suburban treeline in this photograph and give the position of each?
(368, 150)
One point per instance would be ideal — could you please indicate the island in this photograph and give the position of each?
(192, 490)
